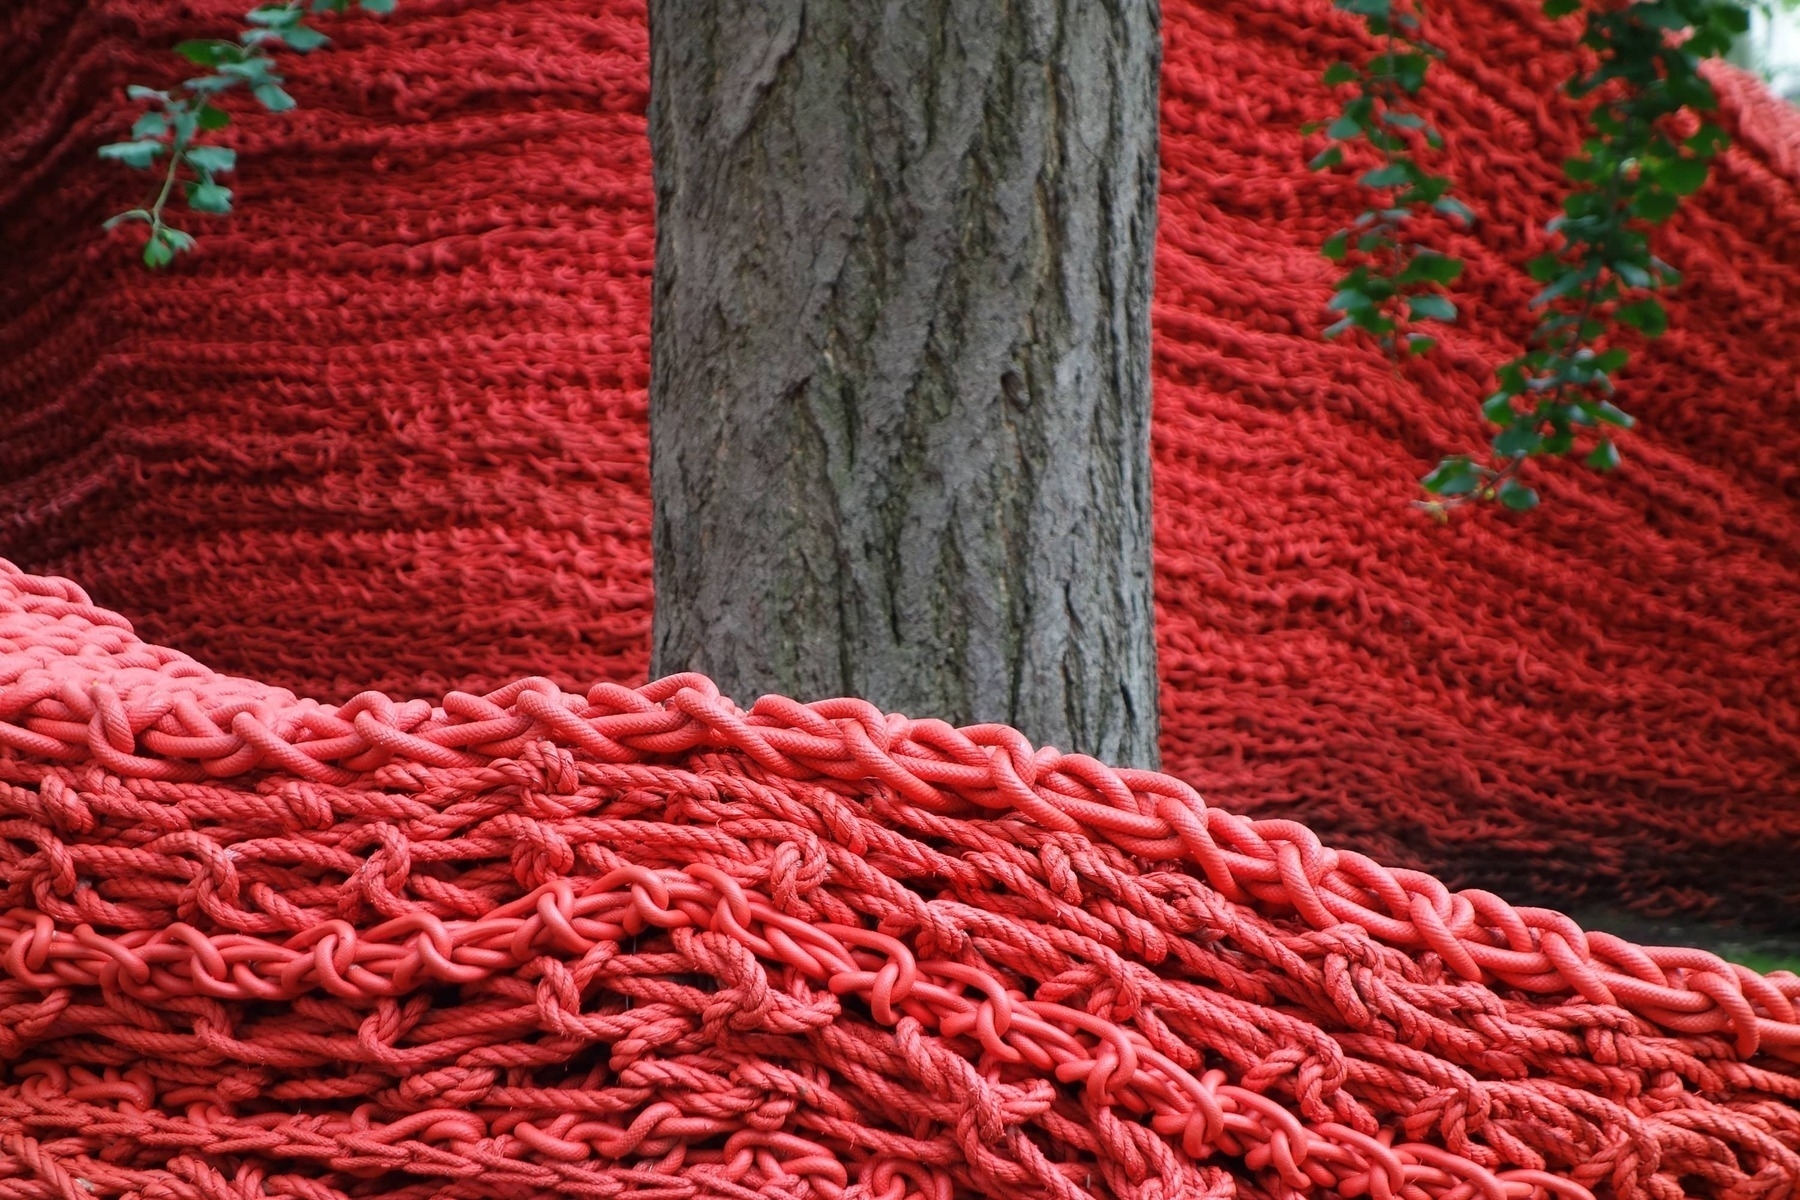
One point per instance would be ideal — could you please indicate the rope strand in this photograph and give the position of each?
(643, 941)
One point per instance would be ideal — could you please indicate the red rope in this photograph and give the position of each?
(640, 941)
(386, 429)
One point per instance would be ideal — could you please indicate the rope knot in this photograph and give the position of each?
(449, 1087)
(796, 868)
(66, 808)
(301, 797)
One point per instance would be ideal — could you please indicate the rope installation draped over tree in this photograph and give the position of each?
(385, 429)
(640, 942)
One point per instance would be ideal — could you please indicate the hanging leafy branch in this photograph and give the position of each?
(169, 129)
(1392, 283)
(1631, 176)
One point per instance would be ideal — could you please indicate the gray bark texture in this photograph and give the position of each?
(900, 380)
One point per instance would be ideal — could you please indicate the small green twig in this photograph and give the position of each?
(168, 129)
(1392, 283)
(1632, 174)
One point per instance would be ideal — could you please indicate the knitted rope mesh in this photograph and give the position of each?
(644, 943)
(386, 428)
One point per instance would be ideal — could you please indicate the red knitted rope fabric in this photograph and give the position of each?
(386, 428)
(642, 943)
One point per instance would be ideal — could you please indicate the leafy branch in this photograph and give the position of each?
(169, 129)
(1631, 175)
(1634, 169)
(1392, 283)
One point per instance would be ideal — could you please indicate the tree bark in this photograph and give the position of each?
(900, 380)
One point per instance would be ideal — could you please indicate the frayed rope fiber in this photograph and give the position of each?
(643, 943)
(386, 427)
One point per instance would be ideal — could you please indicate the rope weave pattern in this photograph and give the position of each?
(386, 429)
(642, 942)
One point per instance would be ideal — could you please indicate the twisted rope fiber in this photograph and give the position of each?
(644, 943)
(386, 429)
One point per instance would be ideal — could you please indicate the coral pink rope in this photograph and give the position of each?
(824, 951)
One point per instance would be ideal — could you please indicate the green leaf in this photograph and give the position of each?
(1409, 73)
(1403, 120)
(210, 52)
(1517, 496)
(1544, 268)
(1560, 8)
(1452, 477)
(1498, 408)
(1708, 141)
(1611, 360)
(209, 197)
(1331, 156)
(1335, 74)
(252, 70)
(1580, 170)
(1418, 343)
(1349, 300)
(211, 118)
(164, 244)
(271, 97)
(210, 158)
(1604, 457)
(1336, 246)
(1452, 207)
(1647, 316)
(1517, 440)
(1655, 205)
(138, 91)
(150, 125)
(1567, 282)
(1683, 176)
(138, 155)
(1392, 175)
(1613, 415)
(1430, 308)
(273, 15)
(1344, 128)
(1433, 268)
(303, 38)
(380, 8)
(207, 85)
(1658, 15)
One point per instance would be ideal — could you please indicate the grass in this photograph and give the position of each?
(1761, 952)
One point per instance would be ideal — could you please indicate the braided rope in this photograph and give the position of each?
(200, 725)
(274, 947)
(1593, 701)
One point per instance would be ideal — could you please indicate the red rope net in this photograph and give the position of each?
(640, 942)
(385, 429)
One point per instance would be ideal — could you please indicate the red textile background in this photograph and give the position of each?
(385, 429)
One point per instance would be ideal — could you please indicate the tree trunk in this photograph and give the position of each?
(900, 380)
